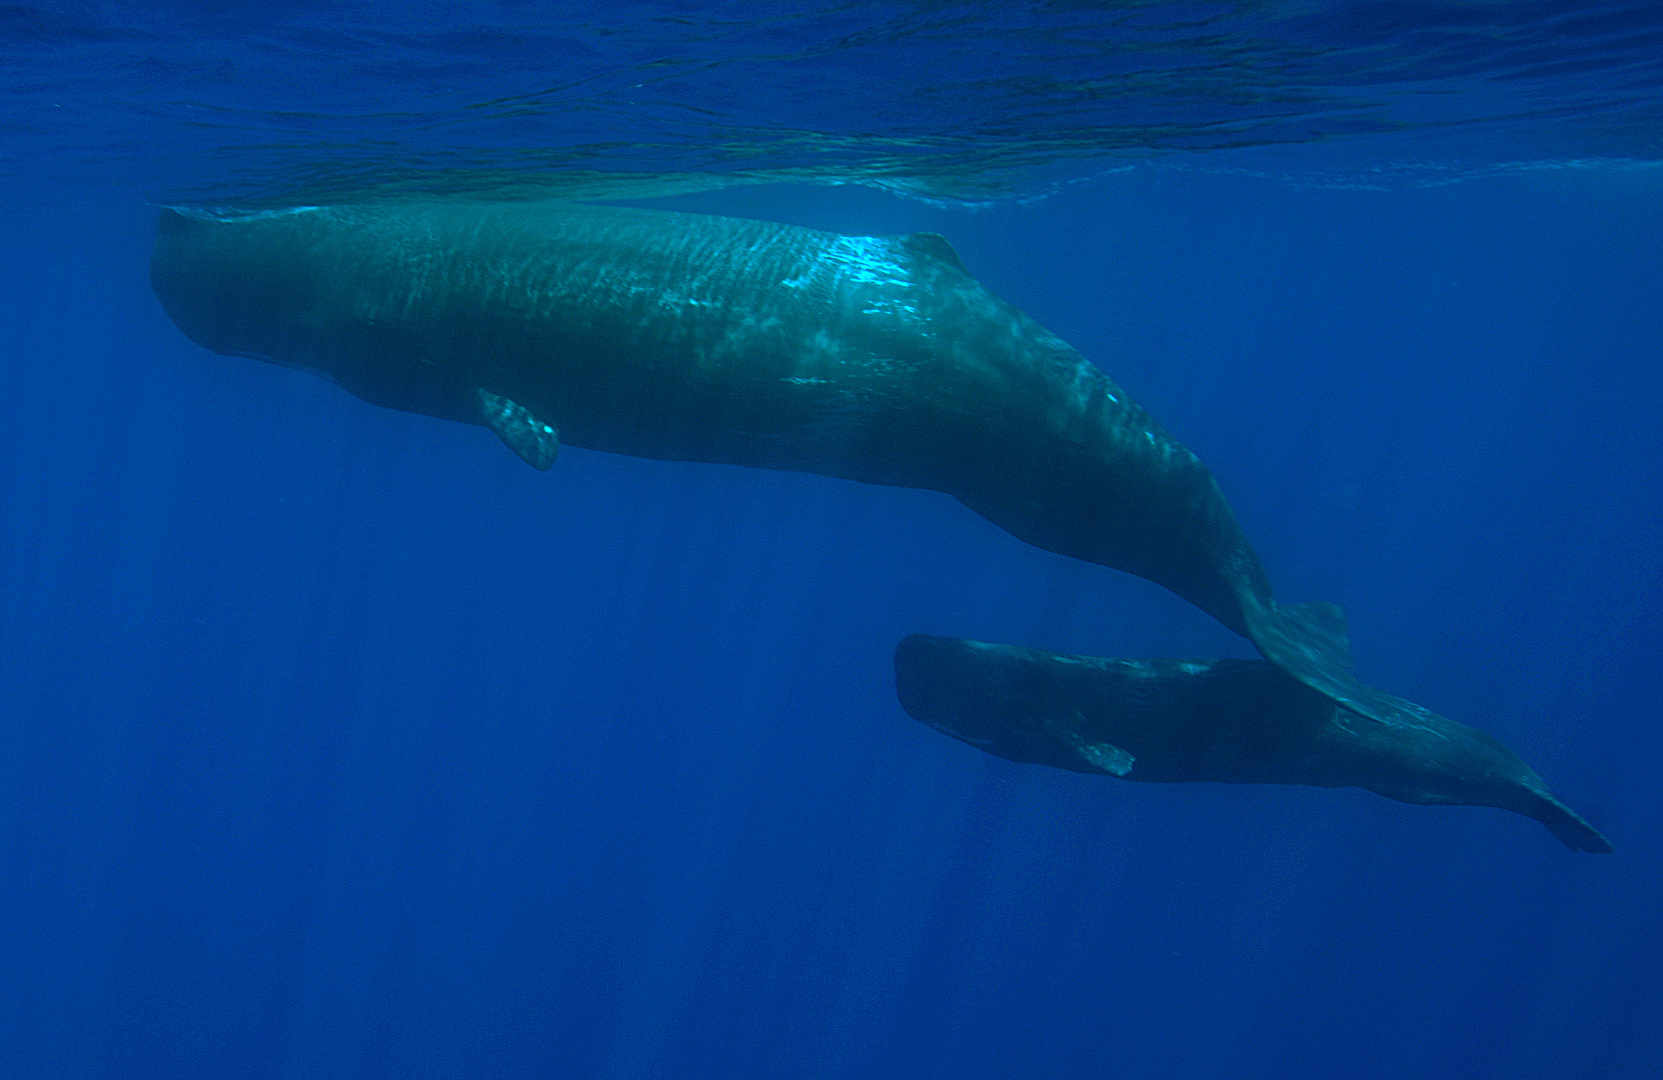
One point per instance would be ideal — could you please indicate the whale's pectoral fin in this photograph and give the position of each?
(1100, 755)
(535, 442)
(1106, 756)
(934, 246)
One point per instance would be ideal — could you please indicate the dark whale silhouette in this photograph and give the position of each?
(689, 337)
(1230, 721)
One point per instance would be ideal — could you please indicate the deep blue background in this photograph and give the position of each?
(341, 744)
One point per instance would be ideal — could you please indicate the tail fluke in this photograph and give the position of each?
(1309, 642)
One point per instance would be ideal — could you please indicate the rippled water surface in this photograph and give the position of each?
(955, 100)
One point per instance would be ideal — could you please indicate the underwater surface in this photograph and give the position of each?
(340, 743)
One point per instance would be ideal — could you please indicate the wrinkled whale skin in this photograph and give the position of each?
(1226, 721)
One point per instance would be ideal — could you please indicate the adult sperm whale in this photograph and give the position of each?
(1226, 721)
(691, 337)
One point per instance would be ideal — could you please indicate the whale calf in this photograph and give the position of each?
(691, 337)
(1228, 721)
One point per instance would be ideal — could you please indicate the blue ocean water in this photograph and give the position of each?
(342, 744)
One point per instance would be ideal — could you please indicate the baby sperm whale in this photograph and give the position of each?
(1225, 721)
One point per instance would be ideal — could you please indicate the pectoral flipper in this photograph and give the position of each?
(537, 443)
